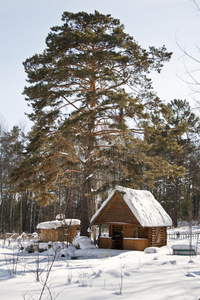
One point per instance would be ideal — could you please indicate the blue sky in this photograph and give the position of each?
(24, 25)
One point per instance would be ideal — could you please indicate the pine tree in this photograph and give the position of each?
(176, 142)
(186, 127)
(11, 149)
(86, 121)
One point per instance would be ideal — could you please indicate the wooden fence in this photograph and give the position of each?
(183, 235)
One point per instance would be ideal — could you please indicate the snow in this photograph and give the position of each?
(152, 250)
(143, 205)
(64, 153)
(84, 243)
(183, 246)
(186, 246)
(90, 273)
(58, 223)
(90, 176)
(60, 217)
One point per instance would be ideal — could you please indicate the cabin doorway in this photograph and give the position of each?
(117, 236)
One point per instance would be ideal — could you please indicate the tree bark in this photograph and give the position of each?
(175, 210)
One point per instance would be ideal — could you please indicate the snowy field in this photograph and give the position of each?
(91, 273)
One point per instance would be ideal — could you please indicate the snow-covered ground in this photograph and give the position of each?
(91, 273)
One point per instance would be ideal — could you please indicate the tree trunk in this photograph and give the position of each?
(10, 213)
(31, 216)
(26, 214)
(2, 211)
(175, 208)
(21, 215)
(87, 183)
(84, 216)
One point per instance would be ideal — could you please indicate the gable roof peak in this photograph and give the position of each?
(147, 210)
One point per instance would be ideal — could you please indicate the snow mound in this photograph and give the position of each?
(59, 252)
(83, 242)
(67, 251)
(152, 250)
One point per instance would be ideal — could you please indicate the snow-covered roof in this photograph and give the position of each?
(57, 223)
(143, 205)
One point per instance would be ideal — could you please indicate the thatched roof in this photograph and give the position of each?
(142, 204)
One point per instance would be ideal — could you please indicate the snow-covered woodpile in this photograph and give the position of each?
(60, 229)
(136, 220)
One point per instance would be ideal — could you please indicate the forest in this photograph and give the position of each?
(97, 122)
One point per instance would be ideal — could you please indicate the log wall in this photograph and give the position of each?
(116, 211)
(157, 236)
(60, 234)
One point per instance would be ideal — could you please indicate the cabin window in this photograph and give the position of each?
(104, 230)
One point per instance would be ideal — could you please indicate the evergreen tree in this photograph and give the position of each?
(187, 127)
(87, 124)
(176, 142)
(11, 149)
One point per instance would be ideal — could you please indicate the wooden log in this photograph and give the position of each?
(135, 244)
(105, 242)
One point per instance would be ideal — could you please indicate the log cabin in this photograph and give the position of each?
(135, 219)
(60, 229)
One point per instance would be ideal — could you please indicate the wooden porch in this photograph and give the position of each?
(127, 243)
(131, 237)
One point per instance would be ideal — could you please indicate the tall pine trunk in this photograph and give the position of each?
(84, 214)
(10, 213)
(87, 184)
(2, 210)
(175, 207)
